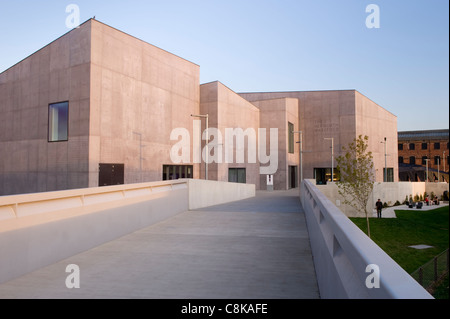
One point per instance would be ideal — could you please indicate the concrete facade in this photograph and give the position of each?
(343, 116)
(227, 110)
(125, 97)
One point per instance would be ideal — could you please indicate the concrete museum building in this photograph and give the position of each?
(99, 107)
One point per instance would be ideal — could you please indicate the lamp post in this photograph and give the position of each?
(439, 165)
(332, 157)
(301, 154)
(427, 160)
(207, 141)
(443, 163)
(385, 160)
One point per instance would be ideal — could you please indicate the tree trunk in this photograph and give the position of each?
(368, 225)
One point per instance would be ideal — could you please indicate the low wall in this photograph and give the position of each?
(208, 193)
(37, 230)
(387, 192)
(342, 253)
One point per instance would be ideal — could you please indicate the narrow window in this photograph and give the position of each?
(437, 146)
(291, 138)
(58, 122)
(424, 146)
(400, 147)
(412, 160)
(412, 146)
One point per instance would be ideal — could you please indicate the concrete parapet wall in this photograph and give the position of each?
(39, 229)
(342, 253)
(208, 193)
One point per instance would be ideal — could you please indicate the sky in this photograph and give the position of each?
(271, 46)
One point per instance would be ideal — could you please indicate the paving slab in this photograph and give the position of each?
(253, 249)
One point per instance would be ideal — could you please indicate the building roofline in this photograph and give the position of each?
(281, 92)
(48, 44)
(424, 134)
(107, 25)
(92, 19)
(313, 91)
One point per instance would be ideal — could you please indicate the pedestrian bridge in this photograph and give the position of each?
(186, 239)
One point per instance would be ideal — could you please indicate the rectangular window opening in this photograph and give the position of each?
(58, 122)
(291, 138)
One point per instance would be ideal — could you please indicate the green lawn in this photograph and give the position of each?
(395, 235)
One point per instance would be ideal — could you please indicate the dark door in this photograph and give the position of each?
(292, 176)
(111, 174)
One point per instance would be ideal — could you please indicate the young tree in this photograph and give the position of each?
(357, 175)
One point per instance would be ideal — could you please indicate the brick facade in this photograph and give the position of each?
(414, 147)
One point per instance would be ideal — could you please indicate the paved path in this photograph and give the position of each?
(253, 249)
(390, 211)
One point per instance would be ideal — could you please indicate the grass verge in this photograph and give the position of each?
(410, 228)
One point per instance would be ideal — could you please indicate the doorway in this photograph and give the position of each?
(111, 174)
(293, 177)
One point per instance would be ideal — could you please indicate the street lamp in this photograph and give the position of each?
(332, 157)
(427, 160)
(301, 154)
(439, 165)
(443, 163)
(207, 141)
(385, 159)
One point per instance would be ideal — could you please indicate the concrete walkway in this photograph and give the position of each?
(253, 249)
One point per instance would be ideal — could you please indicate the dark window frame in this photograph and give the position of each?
(291, 142)
(49, 123)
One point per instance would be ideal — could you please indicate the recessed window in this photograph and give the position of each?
(390, 175)
(291, 138)
(437, 160)
(412, 146)
(400, 160)
(412, 160)
(172, 172)
(237, 175)
(424, 146)
(58, 122)
(437, 146)
(400, 147)
(424, 160)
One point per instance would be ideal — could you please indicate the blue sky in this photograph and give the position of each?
(268, 45)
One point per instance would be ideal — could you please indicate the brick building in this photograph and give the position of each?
(418, 150)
